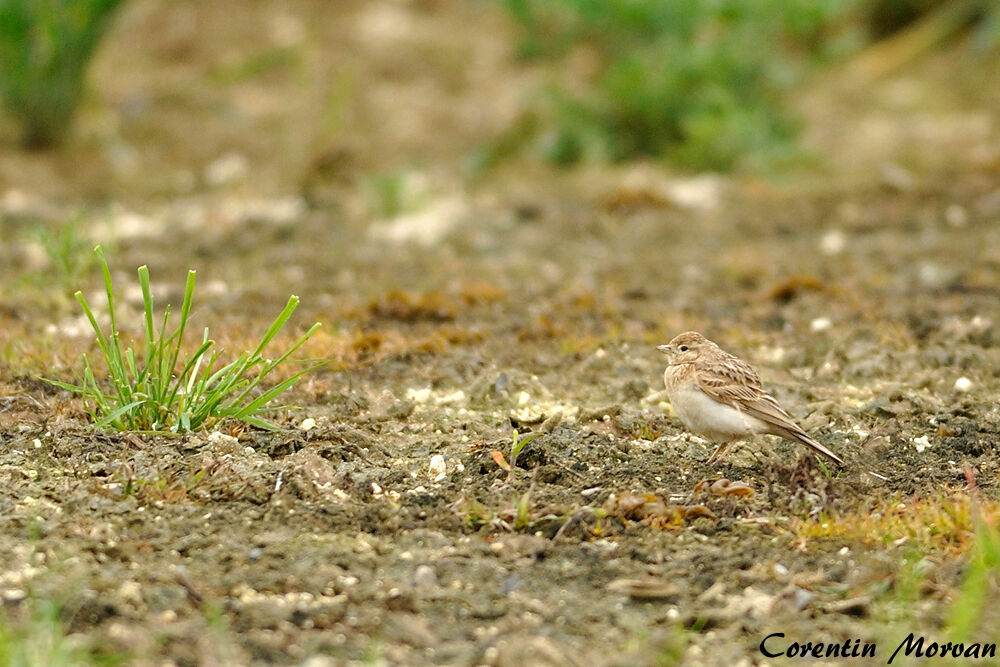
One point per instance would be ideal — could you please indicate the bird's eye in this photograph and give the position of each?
(684, 348)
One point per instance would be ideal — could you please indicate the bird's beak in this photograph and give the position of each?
(665, 349)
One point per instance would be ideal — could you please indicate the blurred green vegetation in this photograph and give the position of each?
(700, 84)
(45, 46)
(39, 639)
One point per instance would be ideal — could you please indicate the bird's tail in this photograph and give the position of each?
(799, 435)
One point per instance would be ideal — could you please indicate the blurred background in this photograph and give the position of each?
(348, 150)
(495, 209)
(380, 105)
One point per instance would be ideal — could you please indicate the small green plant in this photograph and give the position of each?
(823, 467)
(519, 442)
(690, 82)
(522, 515)
(389, 194)
(45, 46)
(982, 580)
(158, 389)
(68, 251)
(476, 515)
(39, 640)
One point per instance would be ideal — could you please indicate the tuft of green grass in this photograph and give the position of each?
(45, 47)
(981, 583)
(392, 193)
(160, 389)
(522, 514)
(69, 251)
(40, 640)
(257, 64)
(688, 82)
(519, 443)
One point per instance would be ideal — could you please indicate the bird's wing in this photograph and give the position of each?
(734, 382)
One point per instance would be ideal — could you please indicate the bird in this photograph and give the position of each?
(720, 396)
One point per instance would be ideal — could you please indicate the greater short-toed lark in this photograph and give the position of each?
(719, 396)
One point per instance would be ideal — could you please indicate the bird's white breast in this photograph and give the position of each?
(707, 417)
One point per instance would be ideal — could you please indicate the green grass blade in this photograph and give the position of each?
(259, 423)
(75, 388)
(185, 313)
(147, 309)
(114, 415)
(272, 393)
(191, 364)
(278, 324)
(102, 340)
(160, 358)
(107, 286)
(274, 364)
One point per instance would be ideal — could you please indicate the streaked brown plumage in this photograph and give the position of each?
(718, 395)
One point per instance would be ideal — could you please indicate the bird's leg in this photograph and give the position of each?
(712, 458)
(721, 451)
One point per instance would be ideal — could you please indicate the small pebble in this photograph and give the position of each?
(833, 242)
(437, 466)
(921, 443)
(307, 424)
(509, 584)
(802, 598)
(963, 384)
(226, 170)
(425, 577)
(956, 216)
(13, 595)
(820, 324)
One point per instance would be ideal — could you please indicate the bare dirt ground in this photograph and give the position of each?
(457, 312)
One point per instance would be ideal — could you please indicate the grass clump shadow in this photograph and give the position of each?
(147, 391)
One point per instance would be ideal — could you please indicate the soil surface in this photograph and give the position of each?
(377, 524)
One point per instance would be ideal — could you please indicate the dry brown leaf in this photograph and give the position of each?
(498, 457)
(644, 589)
(725, 487)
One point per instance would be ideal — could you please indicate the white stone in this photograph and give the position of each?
(419, 395)
(820, 324)
(963, 384)
(226, 169)
(833, 242)
(956, 216)
(425, 577)
(437, 465)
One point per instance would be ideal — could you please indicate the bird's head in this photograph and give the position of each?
(684, 348)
